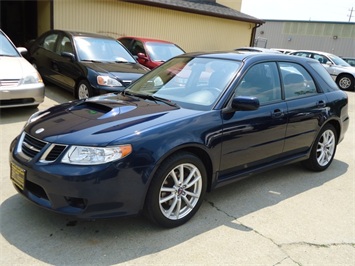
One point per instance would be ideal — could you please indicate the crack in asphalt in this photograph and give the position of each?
(317, 245)
(280, 246)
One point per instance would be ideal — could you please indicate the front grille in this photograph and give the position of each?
(32, 146)
(53, 152)
(29, 147)
(9, 82)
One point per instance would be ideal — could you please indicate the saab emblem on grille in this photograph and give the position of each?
(40, 130)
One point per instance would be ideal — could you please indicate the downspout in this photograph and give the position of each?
(253, 34)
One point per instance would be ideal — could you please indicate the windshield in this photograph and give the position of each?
(163, 51)
(338, 61)
(103, 50)
(195, 83)
(6, 49)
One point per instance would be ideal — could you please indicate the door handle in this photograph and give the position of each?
(277, 113)
(321, 104)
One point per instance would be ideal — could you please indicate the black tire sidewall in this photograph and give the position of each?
(352, 85)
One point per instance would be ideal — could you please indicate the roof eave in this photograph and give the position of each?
(188, 10)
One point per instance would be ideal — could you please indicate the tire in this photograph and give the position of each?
(172, 200)
(83, 90)
(323, 149)
(346, 82)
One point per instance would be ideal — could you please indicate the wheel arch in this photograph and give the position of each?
(196, 150)
(342, 74)
(336, 124)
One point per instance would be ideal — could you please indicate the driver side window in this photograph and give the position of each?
(261, 81)
(137, 48)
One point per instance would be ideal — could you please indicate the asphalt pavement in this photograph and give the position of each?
(287, 216)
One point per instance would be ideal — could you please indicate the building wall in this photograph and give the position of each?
(234, 4)
(192, 32)
(43, 16)
(336, 38)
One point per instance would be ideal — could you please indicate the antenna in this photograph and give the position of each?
(351, 13)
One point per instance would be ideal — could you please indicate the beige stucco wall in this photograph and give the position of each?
(192, 32)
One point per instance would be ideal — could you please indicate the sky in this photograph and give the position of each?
(314, 10)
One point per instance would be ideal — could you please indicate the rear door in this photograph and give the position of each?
(305, 105)
(255, 138)
(67, 69)
(42, 57)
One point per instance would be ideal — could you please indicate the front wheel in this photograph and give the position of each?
(346, 82)
(323, 150)
(176, 191)
(83, 90)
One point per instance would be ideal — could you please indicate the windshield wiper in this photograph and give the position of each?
(151, 97)
(92, 61)
(122, 61)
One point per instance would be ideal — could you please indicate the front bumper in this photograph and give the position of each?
(24, 95)
(86, 192)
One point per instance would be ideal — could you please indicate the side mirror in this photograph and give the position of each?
(142, 56)
(22, 50)
(329, 63)
(71, 56)
(243, 103)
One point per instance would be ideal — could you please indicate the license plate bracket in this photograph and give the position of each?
(18, 176)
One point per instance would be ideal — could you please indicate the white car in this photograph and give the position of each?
(342, 73)
(20, 82)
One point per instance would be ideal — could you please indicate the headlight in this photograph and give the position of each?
(108, 81)
(84, 155)
(32, 79)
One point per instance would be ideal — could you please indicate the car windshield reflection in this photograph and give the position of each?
(195, 83)
(162, 51)
(338, 61)
(101, 50)
(6, 48)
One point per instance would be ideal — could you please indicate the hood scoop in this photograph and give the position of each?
(101, 109)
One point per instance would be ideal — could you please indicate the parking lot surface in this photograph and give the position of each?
(287, 216)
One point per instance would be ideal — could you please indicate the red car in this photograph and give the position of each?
(151, 52)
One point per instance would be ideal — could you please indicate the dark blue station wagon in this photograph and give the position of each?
(197, 122)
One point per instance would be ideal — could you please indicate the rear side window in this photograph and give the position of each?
(49, 42)
(297, 82)
(324, 75)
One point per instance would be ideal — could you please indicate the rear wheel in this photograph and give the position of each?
(176, 191)
(346, 82)
(84, 90)
(323, 150)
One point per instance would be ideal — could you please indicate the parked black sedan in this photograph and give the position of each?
(195, 123)
(86, 63)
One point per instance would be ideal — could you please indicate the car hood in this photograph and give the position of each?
(101, 120)
(14, 67)
(120, 70)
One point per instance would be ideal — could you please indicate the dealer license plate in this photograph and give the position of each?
(18, 176)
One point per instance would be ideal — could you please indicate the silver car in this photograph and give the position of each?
(20, 82)
(342, 73)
